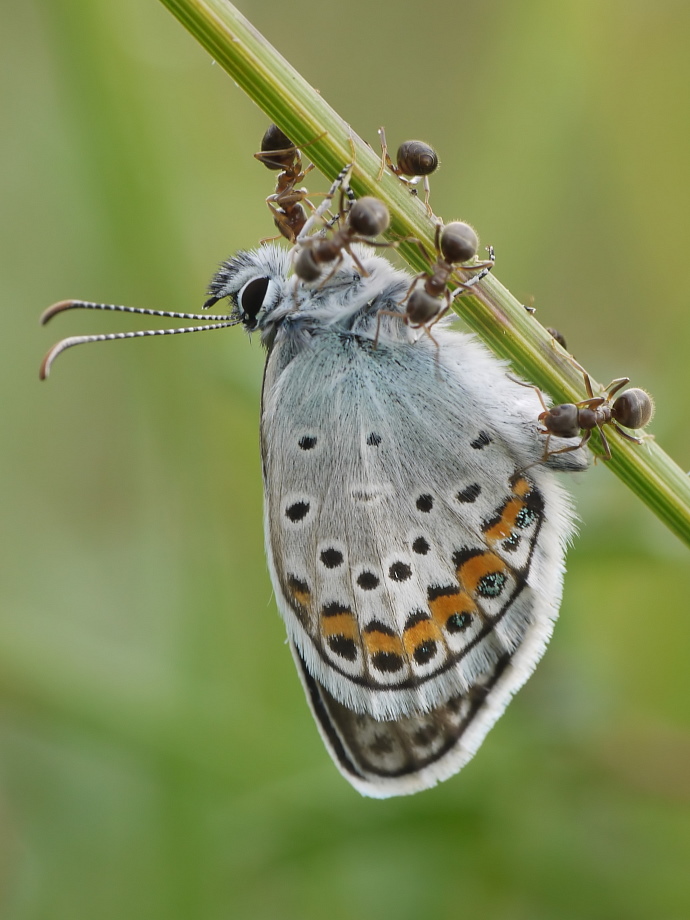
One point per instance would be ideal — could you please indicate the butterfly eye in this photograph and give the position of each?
(251, 299)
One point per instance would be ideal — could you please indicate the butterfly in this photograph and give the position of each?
(415, 529)
(415, 533)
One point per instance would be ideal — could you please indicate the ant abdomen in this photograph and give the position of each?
(369, 217)
(415, 158)
(277, 150)
(633, 409)
(459, 242)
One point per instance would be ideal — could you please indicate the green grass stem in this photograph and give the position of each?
(491, 311)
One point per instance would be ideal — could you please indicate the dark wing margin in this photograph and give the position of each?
(403, 756)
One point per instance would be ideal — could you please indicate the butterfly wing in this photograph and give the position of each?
(417, 563)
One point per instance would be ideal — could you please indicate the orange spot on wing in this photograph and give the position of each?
(447, 604)
(376, 641)
(504, 527)
(522, 487)
(423, 631)
(340, 624)
(302, 597)
(299, 590)
(473, 570)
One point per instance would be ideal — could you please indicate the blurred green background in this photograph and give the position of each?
(157, 757)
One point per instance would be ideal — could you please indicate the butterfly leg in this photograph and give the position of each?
(341, 181)
(400, 316)
(386, 161)
(482, 268)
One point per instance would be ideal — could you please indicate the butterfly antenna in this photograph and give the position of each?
(218, 322)
(62, 305)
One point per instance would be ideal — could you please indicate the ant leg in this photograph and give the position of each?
(272, 158)
(429, 326)
(336, 266)
(566, 450)
(382, 244)
(580, 368)
(588, 384)
(545, 456)
(282, 222)
(439, 316)
(531, 386)
(616, 385)
(604, 443)
(628, 437)
(427, 330)
(360, 268)
(437, 237)
(420, 245)
(420, 277)
(485, 265)
(593, 403)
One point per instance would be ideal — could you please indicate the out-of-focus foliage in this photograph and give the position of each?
(157, 758)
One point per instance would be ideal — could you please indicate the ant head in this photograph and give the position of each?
(306, 267)
(563, 420)
(421, 308)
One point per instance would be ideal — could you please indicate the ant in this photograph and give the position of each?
(428, 298)
(285, 204)
(558, 336)
(415, 160)
(633, 409)
(363, 219)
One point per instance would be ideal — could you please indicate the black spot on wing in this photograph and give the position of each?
(420, 546)
(425, 503)
(297, 511)
(482, 440)
(470, 494)
(331, 558)
(344, 647)
(399, 571)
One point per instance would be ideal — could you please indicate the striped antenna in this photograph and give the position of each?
(217, 322)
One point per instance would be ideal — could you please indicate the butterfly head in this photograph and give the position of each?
(255, 284)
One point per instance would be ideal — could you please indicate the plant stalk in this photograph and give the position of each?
(491, 311)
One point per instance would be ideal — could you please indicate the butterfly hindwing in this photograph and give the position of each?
(416, 552)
